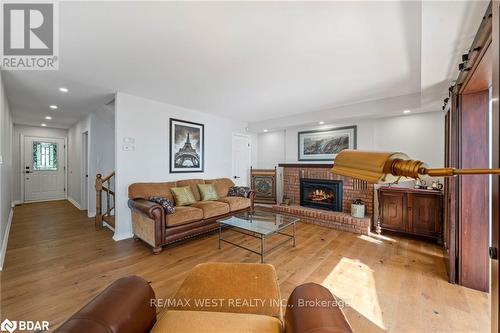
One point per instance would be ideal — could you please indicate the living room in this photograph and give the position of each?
(250, 166)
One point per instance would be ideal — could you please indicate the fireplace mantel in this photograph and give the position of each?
(306, 165)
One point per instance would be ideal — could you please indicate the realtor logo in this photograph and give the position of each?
(8, 326)
(29, 36)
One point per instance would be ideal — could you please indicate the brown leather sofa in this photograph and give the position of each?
(129, 305)
(153, 226)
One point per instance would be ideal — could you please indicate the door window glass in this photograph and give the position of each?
(45, 156)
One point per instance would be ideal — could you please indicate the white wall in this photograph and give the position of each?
(421, 136)
(271, 148)
(16, 151)
(147, 122)
(75, 137)
(102, 151)
(5, 171)
(100, 128)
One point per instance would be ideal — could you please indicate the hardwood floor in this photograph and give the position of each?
(56, 262)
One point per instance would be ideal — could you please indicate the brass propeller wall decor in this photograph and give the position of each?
(387, 167)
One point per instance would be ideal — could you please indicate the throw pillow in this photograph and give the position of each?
(168, 206)
(208, 192)
(183, 195)
(239, 191)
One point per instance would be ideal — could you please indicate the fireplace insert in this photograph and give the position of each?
(321, 193)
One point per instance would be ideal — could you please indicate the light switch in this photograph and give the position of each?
(128, 147)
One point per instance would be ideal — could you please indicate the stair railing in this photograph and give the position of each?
(104, 184)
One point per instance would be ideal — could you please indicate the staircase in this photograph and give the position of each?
(105, 205)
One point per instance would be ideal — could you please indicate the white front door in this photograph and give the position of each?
(44, 169)
(241, 159)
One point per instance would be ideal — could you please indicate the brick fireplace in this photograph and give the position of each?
(351, 190)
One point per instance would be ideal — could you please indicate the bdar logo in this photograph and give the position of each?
(8, 326)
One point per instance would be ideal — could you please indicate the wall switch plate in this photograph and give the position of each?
(128, 147)
(1, 159)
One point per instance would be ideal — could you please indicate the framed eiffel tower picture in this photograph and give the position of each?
(187, 146)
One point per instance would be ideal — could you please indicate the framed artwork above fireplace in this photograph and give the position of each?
(324, 145)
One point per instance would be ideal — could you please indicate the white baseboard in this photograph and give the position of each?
(91, 214)
(16, 202)
(3, 250)
(73, 201)
(119, 237)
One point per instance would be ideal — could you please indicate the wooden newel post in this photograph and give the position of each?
(98, 204)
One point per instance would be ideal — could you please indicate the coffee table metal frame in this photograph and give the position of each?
(260, 236)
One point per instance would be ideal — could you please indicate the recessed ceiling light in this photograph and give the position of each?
(53, 107)
(64, 90)
(407, 111)
(321, 122)
(266, 130)
(48, 117)
(43, 125)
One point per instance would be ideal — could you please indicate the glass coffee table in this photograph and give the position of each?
(259, 225)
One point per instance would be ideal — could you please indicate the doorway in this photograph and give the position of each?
(44, 169)
(85, 171)
(241, 159)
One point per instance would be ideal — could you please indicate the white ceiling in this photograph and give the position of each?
(251, 61)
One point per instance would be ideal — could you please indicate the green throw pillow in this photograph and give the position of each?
(183, 195)
(208, 192)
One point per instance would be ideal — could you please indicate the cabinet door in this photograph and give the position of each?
(392, 205)
(426, 218)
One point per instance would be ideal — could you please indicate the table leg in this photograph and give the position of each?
(293, 238)
(262, 249)
(220, 235)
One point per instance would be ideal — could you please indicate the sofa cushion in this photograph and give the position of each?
(230, 281)
(146, 190)
(183, 215)
(212, 208)
(193, 184)
(239, 191)
(207, 192)
(170, 321)
(236, 203)
(168, 205)
(222, 185)
(183, 195)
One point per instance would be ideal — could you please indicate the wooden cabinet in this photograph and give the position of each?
(393, 205)
(411, 211)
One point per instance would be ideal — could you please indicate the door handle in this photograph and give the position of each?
(27, 171)
(236, 177)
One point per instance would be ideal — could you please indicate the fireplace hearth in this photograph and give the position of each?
(321, 193)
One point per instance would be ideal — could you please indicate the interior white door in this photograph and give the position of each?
(44, 167)
(85, 171)
(241, 159)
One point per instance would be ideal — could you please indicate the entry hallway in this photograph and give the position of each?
(56, 262)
